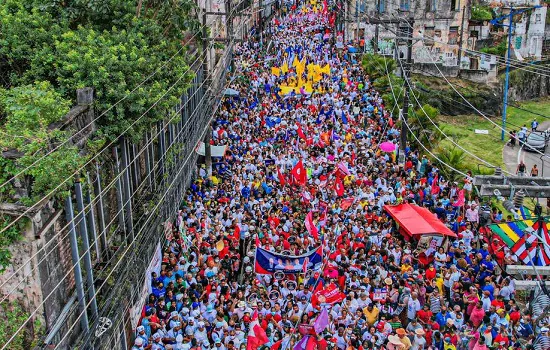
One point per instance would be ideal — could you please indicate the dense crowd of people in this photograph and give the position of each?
(208, 294)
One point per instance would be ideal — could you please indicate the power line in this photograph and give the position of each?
(153, 212)
(437, 127)
(116, 103)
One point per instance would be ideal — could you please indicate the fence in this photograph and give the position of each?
(119, 211)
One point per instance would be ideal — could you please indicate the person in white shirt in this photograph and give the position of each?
(413, 306)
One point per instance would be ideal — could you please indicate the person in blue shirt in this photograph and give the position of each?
(442, 316)
(524, 329)
(245, 192)
(440, 211)
(488, 263)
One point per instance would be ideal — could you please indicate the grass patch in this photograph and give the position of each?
(489, 147)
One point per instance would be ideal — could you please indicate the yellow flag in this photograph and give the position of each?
(275, 71)
(295, 62)
(326, 69)
(317, 73)
(284, 68)
(301, 67)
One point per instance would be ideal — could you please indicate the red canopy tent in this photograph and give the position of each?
(415, 221)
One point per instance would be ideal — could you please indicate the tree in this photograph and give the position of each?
(29, 110)
(451, 156)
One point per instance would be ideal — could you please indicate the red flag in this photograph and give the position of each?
(304, 266)
(339, 187)
(256, 334)
(316, 291)
(346, 203)
(281, 177)
(310, 226)
(276, 345)
(301, 132)
(236, 233)
(435, 187)
(325, 7)
(299, 173)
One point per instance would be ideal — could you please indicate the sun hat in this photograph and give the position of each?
(400, 331)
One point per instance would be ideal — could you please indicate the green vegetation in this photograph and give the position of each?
(441, 103)
(50, 48)
(499, 50)
(13, 317)
(489, 147)
(481, 13)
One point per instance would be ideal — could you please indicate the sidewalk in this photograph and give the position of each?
(512, 155)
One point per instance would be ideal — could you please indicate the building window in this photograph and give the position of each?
(382, 6)
(453, 35)
(455, 5)
(404, 5)
(429, 33)
(518, 42)
(432, 4)
(474, 34)
(537, 18)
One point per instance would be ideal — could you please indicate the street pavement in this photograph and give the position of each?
(512, 156)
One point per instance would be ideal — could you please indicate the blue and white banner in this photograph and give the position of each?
(268, 262)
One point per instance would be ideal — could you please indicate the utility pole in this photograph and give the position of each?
(460, 43)
(375, 41)
(496, 22)
(507, 78)
(357, 20)
(406, 75)
(230, 37)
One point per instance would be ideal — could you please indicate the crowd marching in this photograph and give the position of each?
(304, 177)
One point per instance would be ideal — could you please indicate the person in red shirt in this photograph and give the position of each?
(425, 315)
(321, 343)
(498, 303)
(515, 315)
(431, 272)
(502, 338)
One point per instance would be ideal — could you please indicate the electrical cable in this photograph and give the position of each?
(518, 64)
(438, 128)
(152, 213)
(466, 100)
(416, 138)
(96, 198)
(104, 148)
(129, 246)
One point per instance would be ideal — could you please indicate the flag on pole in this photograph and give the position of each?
(281, 177)
(435, 185)
(321, 322)
(461, 199)
(310, 226)
(299, 173)
(301, 132)
(339, 187)
(256, 334)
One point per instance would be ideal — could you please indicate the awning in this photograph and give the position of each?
(416, 221)
(217, 151)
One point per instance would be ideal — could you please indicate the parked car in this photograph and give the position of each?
(537, 141)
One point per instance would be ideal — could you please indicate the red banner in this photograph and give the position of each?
(329, 295)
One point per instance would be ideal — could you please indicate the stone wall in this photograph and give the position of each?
(525, 85)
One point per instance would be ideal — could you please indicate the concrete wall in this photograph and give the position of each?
(438, 21)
